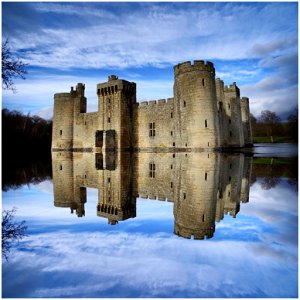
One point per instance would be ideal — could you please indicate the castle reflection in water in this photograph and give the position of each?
(203, 186)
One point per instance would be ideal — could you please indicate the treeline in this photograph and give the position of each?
(25, 134)
(269, 128)
(26, 145)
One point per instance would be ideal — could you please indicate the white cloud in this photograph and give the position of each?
(148, 266)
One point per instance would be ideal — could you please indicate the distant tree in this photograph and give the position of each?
(11, 231)
(254, 125)
(268, 183)
(270, 122)
(11, 68)
(292, 126)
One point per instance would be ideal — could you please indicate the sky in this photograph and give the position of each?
(66, 256)
(253, 44)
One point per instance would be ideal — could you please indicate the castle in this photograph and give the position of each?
(203, 115)
(202, 186)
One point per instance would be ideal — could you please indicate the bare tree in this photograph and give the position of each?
(11, 68)
(270, 122)
(11, 231)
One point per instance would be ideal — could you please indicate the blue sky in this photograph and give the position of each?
(66, 256)
(254, 44)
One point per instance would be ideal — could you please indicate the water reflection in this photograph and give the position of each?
(203, 186)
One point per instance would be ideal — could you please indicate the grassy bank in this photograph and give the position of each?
(276, 139)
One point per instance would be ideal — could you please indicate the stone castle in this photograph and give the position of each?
(204, 114)
(202, 186)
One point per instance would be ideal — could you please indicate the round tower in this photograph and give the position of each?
(195, 105)
(195, 195)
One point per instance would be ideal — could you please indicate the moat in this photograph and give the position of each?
(190, 225)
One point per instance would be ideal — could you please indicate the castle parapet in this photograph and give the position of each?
(198, 65)
(198, 234)
(158, 103)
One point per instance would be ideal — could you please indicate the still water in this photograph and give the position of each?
(157, 225)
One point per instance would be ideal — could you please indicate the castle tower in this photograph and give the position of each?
(222, 116)
(195, 195)
(66, 108)
(245, 111)
(233, 111)
(116, 101)
(195, 106)
(116, 199)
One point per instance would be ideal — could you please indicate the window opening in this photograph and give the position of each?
(152, 170)
(152, 129)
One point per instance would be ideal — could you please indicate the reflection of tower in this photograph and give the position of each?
(195, 194)
(116, 200)
(66, 192)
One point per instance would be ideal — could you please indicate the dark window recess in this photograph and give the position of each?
(108, 120)
(203, 82)
(152, 170)
(171, 132)
(171, 167)
(229, 178)
(109, 101)
(171, 115)
(60, 132)
(184, 104)
(205, 176)
(205, 123)
(152, 129)
(228, 105)
(173, 144)
(229, 121)
(230, 133)
(171, 185)
(203, 218)
(108, 179)
(184, 195)
(60, 167)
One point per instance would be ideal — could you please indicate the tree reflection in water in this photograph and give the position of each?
(12, 231)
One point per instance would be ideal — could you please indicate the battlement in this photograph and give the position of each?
(231, 88)
(245, 100)
(112, 77)
(198, 234)
(198, 65)
(113, 85)
(152, 103)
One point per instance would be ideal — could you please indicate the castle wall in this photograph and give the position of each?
(195, 106)
(154, 176)
(154, 124)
